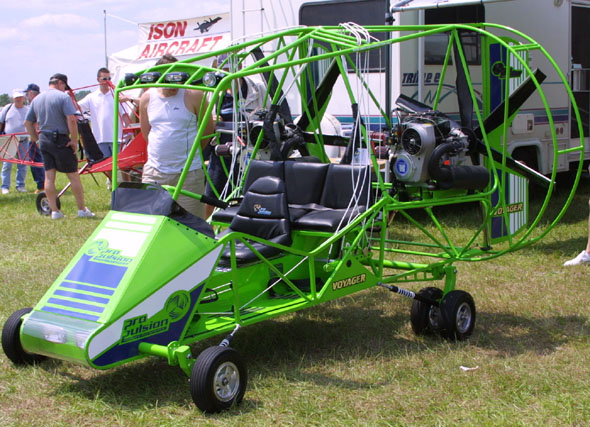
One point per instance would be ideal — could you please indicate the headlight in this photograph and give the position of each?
(211, 79)
(129, 79)
(176, 77)
(150, 77)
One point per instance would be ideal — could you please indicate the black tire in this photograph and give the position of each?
(43, 204)
(425, 318)
(11, 340)
(458, 313)
(218, 379)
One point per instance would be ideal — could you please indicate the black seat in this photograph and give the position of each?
(345, 195)
(262, 213)
(258, 168)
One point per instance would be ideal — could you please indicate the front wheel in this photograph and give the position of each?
(218, 379)
(42, 204)
(11, 340)
(458, 314)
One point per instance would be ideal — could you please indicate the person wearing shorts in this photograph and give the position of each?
(54, 113)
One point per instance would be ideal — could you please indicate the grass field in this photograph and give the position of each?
(354, 361)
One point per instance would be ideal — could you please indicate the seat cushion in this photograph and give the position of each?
(327, 220)
(343, 182)
(244, 255)
(304, 182)
(225, 215)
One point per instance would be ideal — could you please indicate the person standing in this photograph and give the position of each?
(168, 120)
(34, 153)
(100, 105)
(13, 117)
(54, 112)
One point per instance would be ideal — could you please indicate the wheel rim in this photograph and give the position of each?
(463, 318)
(434, 317)
(44, 203)
(227, 381)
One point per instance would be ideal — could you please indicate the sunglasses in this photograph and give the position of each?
(105, 78)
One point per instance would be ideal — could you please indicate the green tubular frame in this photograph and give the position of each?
(363, 248)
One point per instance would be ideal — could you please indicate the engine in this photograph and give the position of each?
(432, 151)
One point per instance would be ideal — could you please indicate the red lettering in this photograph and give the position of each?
(145, 53)
(215, 41)
(205, 41)
(158, 31)
(180, 29)
(193, 48)
(169, 30)
(183, 45)
(151, 32)
(160, 50)
(172, 45)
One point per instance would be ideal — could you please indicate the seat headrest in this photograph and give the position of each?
(267, 185)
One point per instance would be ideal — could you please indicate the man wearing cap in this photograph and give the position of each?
(31, 92)
(13, 117)
(54, 111)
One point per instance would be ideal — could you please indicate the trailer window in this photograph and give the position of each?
(435, 46)
(362, 12)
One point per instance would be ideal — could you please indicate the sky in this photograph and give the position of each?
(39, 38)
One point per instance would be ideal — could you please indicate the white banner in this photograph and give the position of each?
(183, 38)
(184, 28)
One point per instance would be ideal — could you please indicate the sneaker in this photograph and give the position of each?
(39, 190)
(582, 258)
(86, 213)
(5, 191)
(57, 215)
(21, 189)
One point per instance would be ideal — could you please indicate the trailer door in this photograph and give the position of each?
(580, 65)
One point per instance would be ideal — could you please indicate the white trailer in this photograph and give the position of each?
(557, 25)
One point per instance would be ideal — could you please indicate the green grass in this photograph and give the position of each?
(352, 361)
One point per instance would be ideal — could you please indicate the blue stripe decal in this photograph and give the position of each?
(96, 273)
(87, 288)
(83, 297)
(73, 304)
(70, 313)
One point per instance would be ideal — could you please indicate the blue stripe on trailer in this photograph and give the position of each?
(83, 297)
(74, 304)
(70, 313)
(96, 273)
(87, 288)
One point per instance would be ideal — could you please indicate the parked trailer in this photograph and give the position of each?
(415, 67)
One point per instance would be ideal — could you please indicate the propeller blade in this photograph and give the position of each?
(518, 167)
(323, 92)
(515, 101)
(284, 110)
(463, 94)
(337, 140)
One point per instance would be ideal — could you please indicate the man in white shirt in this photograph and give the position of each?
(13, 116)
(100, 105)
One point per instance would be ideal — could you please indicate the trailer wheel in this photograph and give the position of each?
(458, 314)
(425, 318)
(218, 379)
(11, 340)
(43, 204)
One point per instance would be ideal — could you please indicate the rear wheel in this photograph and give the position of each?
(11, 340)
(458, 314)
(425, 318)
(218, 379)
(43, 204)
